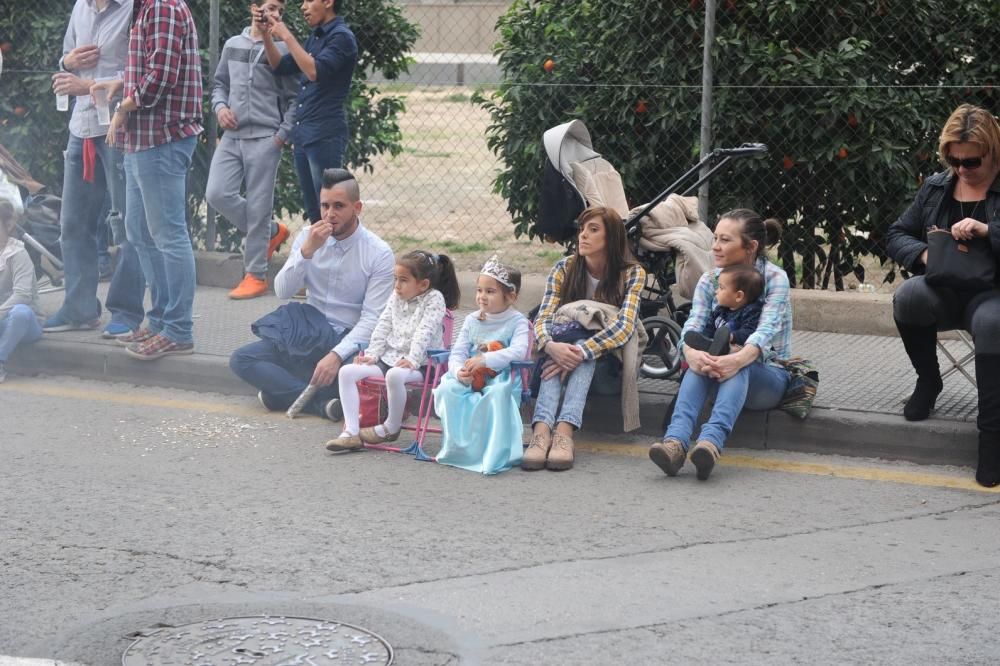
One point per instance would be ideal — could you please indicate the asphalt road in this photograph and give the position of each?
(126, 507)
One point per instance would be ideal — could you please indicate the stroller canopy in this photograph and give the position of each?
(568, 143)
(575, 176)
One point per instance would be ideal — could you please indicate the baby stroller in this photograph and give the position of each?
(666, 236)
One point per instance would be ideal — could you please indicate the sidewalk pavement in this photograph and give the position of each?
(864, 380)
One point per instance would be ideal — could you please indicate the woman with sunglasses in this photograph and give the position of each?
(964, 199)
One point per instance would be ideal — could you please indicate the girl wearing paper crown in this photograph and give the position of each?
(478, 399)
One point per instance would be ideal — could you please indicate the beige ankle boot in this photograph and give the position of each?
(535, 454)
(561, 453)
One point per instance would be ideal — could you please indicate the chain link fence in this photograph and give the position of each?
(849, 96)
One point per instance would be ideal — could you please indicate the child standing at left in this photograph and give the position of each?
(256, 109)
(425, 284)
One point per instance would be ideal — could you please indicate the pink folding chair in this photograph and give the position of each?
(437, 365)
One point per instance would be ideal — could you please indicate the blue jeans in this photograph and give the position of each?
(310, 162)
(83, 206)
(19, 326)
(573, 398)
(267, 368)
(156, 225)
(758, 386)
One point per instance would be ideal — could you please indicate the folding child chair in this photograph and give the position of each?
(958, 364)
(437, 365)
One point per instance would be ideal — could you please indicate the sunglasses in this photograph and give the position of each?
(968, 162)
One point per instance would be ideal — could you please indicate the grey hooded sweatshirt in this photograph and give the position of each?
(264, 104)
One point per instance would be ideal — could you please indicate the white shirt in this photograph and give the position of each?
(107, 29)
(349, 281)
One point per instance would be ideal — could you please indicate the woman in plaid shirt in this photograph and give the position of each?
(745, 378)
(601, 269)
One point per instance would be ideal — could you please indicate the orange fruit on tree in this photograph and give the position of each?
(19, 111)
(842, 153)
(787, 162)
(6, 47)
(640, 106)
(549, 65)
(852, 120)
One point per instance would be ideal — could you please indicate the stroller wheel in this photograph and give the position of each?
(662, 358)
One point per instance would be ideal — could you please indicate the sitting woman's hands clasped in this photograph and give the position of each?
(719, 367)
(563, 359)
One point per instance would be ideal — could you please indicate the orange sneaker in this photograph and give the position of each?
(277, 239)
(250, 287)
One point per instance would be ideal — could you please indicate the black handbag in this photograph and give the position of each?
(959, 264)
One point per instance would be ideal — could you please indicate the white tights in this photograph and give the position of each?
(395, 383)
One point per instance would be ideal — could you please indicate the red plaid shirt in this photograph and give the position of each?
(162, 74)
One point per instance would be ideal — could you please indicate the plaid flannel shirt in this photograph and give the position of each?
(774, 331)
(162, 75)
(615, 335)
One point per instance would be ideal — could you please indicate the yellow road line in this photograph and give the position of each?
(816, 469)
(33, 387)
(43, 388)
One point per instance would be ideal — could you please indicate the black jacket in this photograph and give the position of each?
(906, 239)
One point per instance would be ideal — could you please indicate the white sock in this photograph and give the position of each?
(395, 384)
(348, 377)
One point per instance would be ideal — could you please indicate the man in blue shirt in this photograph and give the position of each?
(326, 63)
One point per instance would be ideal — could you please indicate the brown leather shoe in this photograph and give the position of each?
(561, 453)
(537, 451)
(703, 456)
(342, 443)
(369, 436)
(669, 455)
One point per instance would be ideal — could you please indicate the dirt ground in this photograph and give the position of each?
(437, 194)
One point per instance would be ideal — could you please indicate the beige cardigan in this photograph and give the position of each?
(595, 316)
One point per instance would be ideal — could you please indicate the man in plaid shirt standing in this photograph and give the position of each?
(157, 123)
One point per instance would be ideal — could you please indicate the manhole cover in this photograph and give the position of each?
(262, 641)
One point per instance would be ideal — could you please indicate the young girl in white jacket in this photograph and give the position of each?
(411, 323)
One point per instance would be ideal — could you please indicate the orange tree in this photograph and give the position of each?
(849, 96)
(31, 35)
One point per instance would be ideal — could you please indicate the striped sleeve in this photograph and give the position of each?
(772, 330)
(620, 330)
(701, 306)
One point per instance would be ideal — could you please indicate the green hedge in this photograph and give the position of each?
(850, 97)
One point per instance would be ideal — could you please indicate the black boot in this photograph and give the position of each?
(988, 467)
(988, 381)
(920, 343)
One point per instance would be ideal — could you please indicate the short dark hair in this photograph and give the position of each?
(342, 178)
(747, 279)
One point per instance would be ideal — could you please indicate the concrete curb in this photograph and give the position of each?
(828, 431)
(198, 372)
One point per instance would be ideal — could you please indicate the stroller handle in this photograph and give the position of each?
(720, 157)
(742, 150)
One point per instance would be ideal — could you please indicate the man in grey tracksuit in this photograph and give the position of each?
(255, 108)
